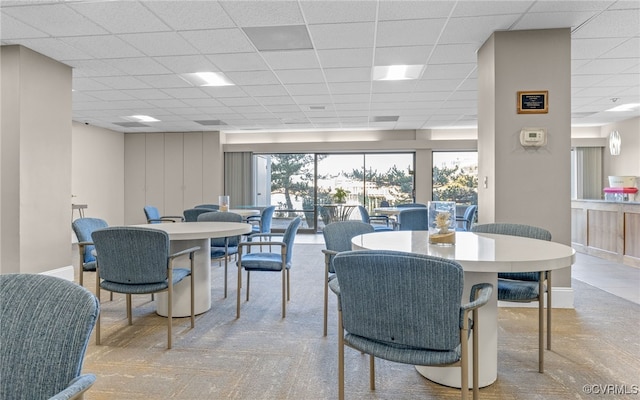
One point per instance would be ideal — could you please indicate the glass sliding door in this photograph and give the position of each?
(323, 188)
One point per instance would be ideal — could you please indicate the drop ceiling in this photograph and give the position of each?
(127, 57)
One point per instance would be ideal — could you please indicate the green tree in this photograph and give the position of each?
(292, 175)
(454, 184)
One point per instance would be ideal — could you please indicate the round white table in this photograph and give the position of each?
(482, 256)
(184, 235)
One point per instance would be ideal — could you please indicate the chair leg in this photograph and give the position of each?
(129, 317)
(549, 308)
(464, 364)
(340, 357)
(288, 284)
(541, 323)
(248, 281)
(475, 374)
(99, 313)
(193, 296)
(284, 295)
(239, 285)
(326, 296)
(169, 316)
(372, 372)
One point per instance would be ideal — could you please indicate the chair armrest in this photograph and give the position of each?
(190, 251)
(480, 295)
(85, 243)
(253, 218)
(76, 388)
(329, 252)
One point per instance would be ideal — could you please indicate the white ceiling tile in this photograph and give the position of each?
(264, 13)
(92, 68)
(147, 94)
(618, 23)
(402, 55)
(121, 17)
(163, 80)
(238, 62)
(307, 89)
(336, 58)
(138, 66)
(454, 54)
(414, 9)
(11, 28)
(224, 91)
(570, 5)
(552, 20)
(318, 12)
(475, 29)
(629, 49)
(52, 48)
(219, 41)
(54, 19)
(297, 59)
(110, 95)
(197, 15)
(160, 43)
(253, 77)
(347, 74)
(592, 48)
(349, 87)
(186, 93)
(313, 100)
(121, 82)
(289, 76)
(265, 90)
(481, 8)
(606, 66)
(450, 71)
(103, 46)
(418, 32)
(187, 64)
(342, 36)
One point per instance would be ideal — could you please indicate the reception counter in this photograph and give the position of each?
(605, 229)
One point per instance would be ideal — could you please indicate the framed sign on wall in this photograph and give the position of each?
(533, 102)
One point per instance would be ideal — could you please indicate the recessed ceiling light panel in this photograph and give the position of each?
(625, 107)
(397, 72)
(207, 79)
(141, 118)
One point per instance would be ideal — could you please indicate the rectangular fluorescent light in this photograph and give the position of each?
(207, 79)
(141, 118)
(397, 72)
(624, 107)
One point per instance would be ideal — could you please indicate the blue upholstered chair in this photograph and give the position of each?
(191, 214)
(83, 228)
(223, 248)
(525, 287)
(209, 206)
(154, 217)
(263, 220)
(468, 218)
(367, 219)
(405, 308)
(46, 324)
(267, 261)
(138, 261)
(337, 238)
(414, 219)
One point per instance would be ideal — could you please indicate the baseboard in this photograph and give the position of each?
(62, 272)
(562, 298)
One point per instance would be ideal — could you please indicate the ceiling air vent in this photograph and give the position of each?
(210, 122)
(384, 118)
(130, 124)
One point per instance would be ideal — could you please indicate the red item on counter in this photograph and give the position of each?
(621, 190)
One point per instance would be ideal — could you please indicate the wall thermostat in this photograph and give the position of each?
(533, 137)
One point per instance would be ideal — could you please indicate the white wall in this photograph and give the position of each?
(36, 162)
(97, 172)
(627, 163)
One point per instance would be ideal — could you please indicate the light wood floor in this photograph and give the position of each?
(262, 356)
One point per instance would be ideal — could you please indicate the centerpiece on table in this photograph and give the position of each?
(442, 222)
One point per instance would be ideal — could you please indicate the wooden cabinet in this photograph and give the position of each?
(609, 230)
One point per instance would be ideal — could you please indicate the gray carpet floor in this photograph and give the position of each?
(263, 356)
